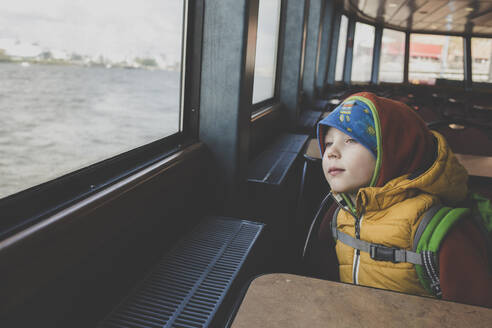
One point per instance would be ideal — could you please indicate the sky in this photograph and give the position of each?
(113, 28)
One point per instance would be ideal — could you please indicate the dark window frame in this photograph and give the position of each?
(342, 80)
(368, 82)
(27, 207)
(467, 84)
(381, 53)
(464, 80)
(470, 82)
(267, 103)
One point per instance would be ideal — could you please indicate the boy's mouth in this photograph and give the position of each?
(335, 171)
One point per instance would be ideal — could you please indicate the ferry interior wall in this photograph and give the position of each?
(172, 232)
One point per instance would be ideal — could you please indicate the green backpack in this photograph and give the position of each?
(433, 227)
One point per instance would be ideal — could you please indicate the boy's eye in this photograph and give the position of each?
(328, 144)
(350, 140)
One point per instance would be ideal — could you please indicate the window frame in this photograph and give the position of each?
(262, 106)
(477, 83)
(466, 81)
(381, 53)
(462, 36)
(342, 80)
(369, 81)
(27, 207)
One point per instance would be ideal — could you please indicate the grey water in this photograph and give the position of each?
(55, 119)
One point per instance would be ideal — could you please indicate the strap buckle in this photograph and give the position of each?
(382, 253)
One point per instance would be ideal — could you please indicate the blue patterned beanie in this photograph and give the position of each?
(354, 118)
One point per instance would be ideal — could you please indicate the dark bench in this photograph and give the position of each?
(308, 119)
(273, 164)
(272, 191)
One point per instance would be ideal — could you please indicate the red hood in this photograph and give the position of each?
(407, 145)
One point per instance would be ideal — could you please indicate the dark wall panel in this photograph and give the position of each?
(71, 272)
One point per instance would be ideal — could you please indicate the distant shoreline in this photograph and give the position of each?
(10, 60)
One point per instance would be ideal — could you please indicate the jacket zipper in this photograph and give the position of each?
(355, 266)
(356, 262)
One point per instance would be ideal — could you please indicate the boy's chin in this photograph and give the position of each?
(347, 191)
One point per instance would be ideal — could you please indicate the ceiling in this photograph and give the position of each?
(451, 16)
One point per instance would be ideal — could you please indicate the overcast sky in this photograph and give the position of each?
(113, 28)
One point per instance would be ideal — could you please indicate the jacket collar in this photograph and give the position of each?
(446, 178)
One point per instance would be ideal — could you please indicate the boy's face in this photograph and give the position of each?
(347, 164)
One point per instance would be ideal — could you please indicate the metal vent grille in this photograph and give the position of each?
(188, 285)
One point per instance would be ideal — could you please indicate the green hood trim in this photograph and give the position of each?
(377, 168)
(377, 126)
(349, 203)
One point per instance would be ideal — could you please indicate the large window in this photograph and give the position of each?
(481, 57)
(342, 42)
(392, 56)
(363, 52)
(435, 57)
(83, 81)
(266, 50)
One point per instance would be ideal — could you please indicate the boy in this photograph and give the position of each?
(386, 170)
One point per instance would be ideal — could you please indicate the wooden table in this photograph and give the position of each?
(476, 165)
(312, 149)
(285, 300)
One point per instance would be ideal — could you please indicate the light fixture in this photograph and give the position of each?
(392, 5)
(469, 9)
(455, 126)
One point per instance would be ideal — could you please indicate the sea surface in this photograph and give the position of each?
(55, 119)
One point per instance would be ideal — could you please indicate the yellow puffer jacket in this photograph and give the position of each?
(390, 217)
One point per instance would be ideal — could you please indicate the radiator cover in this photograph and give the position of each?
(189, 283)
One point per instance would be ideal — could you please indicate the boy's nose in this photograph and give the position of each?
(333, 152)
(333, 155)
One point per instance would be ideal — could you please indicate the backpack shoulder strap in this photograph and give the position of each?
(427, 217)
(322, 208)
(438, 226)
(429, 242)
(333, 224)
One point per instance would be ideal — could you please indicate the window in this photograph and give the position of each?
(481, 53)
(266, 50)
(392, 56)
(342, 42)
(84, 81)
(363, 51)
(435, 57)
